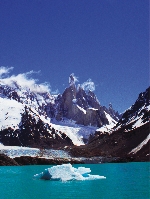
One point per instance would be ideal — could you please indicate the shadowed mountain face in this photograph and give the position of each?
(128, 139)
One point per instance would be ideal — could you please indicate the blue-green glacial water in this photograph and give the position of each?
(123, 181)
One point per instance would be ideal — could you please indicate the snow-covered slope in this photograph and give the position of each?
(137, 115)
(108, 127)
(10, 113)
(38, 100)
(24, 126)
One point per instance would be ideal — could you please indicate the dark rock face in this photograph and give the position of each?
(66, 102)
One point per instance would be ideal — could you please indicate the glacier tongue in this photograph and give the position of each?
(77, 133)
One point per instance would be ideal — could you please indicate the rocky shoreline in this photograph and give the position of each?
(7, 161)
(28, 160)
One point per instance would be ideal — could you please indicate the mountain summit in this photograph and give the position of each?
(27, 115)
(81, 106)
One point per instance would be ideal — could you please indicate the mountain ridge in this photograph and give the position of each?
(128, 139)
(74, 104)
(75, 117)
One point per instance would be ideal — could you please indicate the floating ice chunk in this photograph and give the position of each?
(66, 172)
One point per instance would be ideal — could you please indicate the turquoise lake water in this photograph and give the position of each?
(123, 181)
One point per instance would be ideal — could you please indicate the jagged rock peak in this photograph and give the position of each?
(72, 79)
(114, 114)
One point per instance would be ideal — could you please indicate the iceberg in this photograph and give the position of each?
(66, 172)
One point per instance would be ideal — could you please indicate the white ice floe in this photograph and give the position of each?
(66, 172)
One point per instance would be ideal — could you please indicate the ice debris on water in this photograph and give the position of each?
(66, 172)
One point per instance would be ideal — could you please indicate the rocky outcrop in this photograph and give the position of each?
(67, 101)
(95, 117)
(79, 105)
(7, 161)
(114, 114)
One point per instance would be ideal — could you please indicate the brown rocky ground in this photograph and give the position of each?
(118, 144)
(27, 160)
(7, 161)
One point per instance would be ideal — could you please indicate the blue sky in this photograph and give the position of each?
(104, 40)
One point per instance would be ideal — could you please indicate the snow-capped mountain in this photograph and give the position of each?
(138, 114)
(22, 126)
(33, 117)
(23, 118)
(81, 106)
(129, 139)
